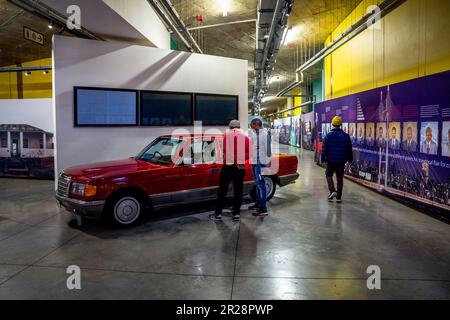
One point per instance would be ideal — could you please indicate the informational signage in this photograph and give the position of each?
(33, 36)
(401, 139)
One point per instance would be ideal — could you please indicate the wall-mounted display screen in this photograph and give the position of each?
(215, 110)
(105, 107)
(166, 108)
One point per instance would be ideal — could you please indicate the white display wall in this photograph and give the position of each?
(79, 62)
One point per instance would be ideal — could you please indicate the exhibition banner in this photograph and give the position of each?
(307, 131)
(401, 139)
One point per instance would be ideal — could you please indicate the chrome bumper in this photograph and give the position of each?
(87, 209)
(288, 179)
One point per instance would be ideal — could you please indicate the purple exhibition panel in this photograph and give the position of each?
(401, 139)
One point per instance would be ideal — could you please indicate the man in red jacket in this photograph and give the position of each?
(236, 148)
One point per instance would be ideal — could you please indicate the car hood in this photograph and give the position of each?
(106, 169)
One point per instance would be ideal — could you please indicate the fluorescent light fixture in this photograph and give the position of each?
(285, 33)
(225, 6)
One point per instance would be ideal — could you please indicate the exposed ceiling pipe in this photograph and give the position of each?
(25, 69)
(166, 11)
(221, 24)
(311, 101)
(38, 8)
(264, 64)
(386, 7)
(298, 81)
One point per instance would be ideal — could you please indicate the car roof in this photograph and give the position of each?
(193, 136)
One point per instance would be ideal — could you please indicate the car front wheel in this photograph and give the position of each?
(126, 209)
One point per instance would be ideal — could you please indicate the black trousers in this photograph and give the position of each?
(339, 170)
(228, 174)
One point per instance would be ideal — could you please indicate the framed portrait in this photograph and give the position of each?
(409, 142)
(360, 133)
(429, 137)
(446, 138)
(381, 134)
(370, 134)
(394, 135)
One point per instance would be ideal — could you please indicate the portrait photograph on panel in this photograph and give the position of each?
(429, 137)
(446, 138)
(409, 142)
(352, 131)
(361, 128)
(394, 134)
(381, 135)
(345, 127)
(370, 134)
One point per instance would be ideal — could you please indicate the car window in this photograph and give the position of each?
(161, 150)
(201, 152)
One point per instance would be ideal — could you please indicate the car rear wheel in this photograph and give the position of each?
(271, 187)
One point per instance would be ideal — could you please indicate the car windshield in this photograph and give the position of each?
(160, 151)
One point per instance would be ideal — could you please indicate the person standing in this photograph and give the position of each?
(236, 149)
(336, 152)
(261, 150)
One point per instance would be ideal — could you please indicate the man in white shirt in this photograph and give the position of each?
(261, 145)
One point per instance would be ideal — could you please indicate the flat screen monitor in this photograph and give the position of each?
(166, 108)
(105, 107)
(215, 110)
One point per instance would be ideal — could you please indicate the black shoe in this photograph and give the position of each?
(339, 200)
(254, 207)
(261, 212)
(215, 217)
(332, 196)
(236, 218)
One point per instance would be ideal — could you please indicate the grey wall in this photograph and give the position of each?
(79, 62)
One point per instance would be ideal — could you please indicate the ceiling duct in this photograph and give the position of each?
(173, 22)
(39, 9)
(272, 16)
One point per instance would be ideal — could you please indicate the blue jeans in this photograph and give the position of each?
(261, 193)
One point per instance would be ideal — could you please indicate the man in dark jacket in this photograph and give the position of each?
(336, 152)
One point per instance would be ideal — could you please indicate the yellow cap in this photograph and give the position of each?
(337, 121)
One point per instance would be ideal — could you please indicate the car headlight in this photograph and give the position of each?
(83, 189)
(78, 188)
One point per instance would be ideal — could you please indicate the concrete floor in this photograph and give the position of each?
(306, 249)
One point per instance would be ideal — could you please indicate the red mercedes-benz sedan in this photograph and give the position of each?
(161, 175)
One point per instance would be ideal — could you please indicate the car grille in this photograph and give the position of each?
(63, 185)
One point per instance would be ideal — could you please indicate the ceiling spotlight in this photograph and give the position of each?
(50, 26)
(45, 72)
(27, 73)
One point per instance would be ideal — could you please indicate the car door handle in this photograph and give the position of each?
(215, 169)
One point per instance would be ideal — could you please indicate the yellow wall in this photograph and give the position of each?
(413, 41)
(36, 85)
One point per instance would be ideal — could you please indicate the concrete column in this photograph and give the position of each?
(20, 143)
(8, 134)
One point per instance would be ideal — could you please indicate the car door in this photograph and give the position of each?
(199, 172)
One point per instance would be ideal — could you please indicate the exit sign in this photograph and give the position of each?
(33, 36)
